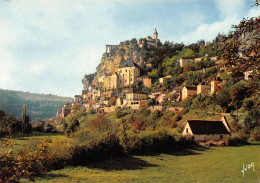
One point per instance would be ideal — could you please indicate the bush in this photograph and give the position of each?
(248, 104)
(236, 139)
(153, 141)
(118, 112)
(252, 119)
(255, 134)
(107, 147)
(24, 165)
(59, 153)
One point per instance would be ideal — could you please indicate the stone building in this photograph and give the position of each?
(147, 82)
(204, 130)
(183, 62)
(128, 72)
(188, 91)
(215, 85)
(203, 86)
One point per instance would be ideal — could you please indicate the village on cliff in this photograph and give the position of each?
(116, 84)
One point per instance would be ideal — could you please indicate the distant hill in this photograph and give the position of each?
(38, 105)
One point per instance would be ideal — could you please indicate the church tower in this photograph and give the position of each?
(155, 34)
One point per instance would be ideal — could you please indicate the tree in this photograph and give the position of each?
(72, 124)
(138, 124)
(26, 128)
(243, 47)
(118, 112)
(9, 125)
(252, 119)
(237, 94)
(112, 101)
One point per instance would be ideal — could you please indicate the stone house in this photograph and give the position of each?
(128, 72)
(135, 96)
(204, 130)
(134, 105)
(110, 81)
(188, 91)
(147, 82)
(203, 86)
(215, 85)
(183, 62)
(119, 101)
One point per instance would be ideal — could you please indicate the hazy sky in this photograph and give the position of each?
(46, 46)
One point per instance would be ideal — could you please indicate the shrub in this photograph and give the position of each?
(59, 153)
(153, 141)
(255, 134)
(107, 147)
(24, 165)
(248, 104)
(167, 120)
(239, 138)
(138, 124)
(118, 112)
(253, 119)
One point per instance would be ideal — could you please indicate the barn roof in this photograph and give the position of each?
(200, 127)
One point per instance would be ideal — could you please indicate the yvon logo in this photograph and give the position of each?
(248, 167)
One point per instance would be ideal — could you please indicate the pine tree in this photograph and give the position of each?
(24, 114)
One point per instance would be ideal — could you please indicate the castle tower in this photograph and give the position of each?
(155, 34)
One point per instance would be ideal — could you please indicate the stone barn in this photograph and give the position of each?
(204, 130)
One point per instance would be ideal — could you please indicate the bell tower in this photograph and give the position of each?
(155, 34)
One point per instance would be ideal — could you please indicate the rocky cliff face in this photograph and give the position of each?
(112, 60)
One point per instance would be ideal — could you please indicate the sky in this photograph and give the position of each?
(47, 46)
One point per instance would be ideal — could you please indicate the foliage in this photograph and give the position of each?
(112, 101)
(253, 119)
(255, 134)
(118, 112)
(138, 124)
(239, 138)
(71, 124)
(237, 94)
(186, 53)
(107, 147)
(9, 126)
(246, 29)
(23, 166)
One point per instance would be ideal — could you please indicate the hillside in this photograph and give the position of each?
(38, 105)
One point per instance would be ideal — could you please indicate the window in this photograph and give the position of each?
(187, 130)
(120, 71)
(131, 79)
(221, 136)
(125, 70)
(125, 81)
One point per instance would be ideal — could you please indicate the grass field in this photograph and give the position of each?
(214, 164)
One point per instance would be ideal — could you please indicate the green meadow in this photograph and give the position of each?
(203, 164)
